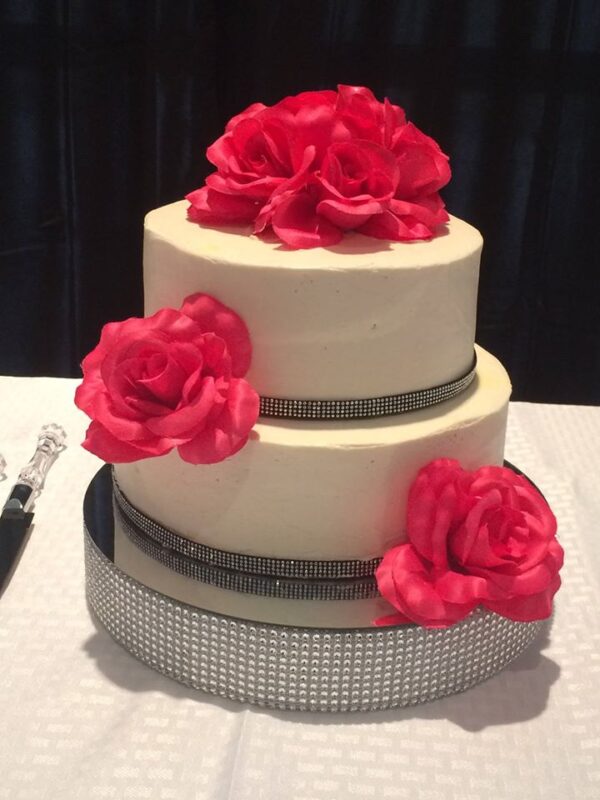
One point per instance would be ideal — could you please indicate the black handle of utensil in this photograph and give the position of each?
(13, 532)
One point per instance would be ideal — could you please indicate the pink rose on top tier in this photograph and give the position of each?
(485, 538)
(172, 380)
(321, 163)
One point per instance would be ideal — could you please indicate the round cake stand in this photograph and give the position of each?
(285, 667)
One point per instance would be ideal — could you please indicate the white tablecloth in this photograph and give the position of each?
(80, 718)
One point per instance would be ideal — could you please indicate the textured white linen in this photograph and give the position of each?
(80, 718)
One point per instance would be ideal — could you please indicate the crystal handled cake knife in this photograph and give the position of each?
(16, 514)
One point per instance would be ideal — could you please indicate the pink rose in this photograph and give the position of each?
(423, 167)
(416, 209)
(485, 537)
(365, 117)
(310, 121)
(320, 163)
(174, 379)
(357, 179)
(262, 149)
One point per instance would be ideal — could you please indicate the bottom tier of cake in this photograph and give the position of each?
(309, 668)
(322, 490)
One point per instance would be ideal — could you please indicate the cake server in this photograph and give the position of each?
(17, 513)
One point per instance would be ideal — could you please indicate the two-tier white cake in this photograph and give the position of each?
(307, 444)
(357, 320)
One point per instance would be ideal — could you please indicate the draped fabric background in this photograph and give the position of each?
(108, 109)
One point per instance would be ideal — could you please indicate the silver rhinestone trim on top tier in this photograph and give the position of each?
(267, 566)
(299, 669)
(367, 407)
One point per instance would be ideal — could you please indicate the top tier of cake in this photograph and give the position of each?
(364, 318)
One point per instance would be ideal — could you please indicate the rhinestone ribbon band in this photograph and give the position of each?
(240, 562)
(366, 407)
(270, 577)
(295, 668)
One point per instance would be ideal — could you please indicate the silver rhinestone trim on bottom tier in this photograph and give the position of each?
(284, 588)
(300, 669)
(253, 565)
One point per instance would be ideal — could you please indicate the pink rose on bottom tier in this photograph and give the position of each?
(172, 380)
(485, 537)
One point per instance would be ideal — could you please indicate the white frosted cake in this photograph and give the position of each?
(302, 431)
(352, 321)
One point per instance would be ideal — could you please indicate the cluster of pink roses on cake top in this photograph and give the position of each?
(320, 163)
(485, 537)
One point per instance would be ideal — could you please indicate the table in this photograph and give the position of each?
(81, 718)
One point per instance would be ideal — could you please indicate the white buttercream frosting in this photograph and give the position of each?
(364, 318)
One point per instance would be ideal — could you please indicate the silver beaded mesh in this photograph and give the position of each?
(367, 407)
(303, 669)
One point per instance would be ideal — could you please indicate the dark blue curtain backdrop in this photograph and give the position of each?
(109, 107)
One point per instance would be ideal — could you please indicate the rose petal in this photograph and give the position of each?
(393, 118)
(91, 367)
(454, 587)
(392, 619)
(362, 113)
(527, 582)
(408, 583)
(214, 208)
(229, 432)
(286, 190)
(296, 223)
(433, 504)
(469, 543)
(241, 411)
(527, 608)
(142, 337)
(87, 391)
(252, 111)
(388, 226)
(529, 498)
(213, 316)
(310, 121)
(211, 446)
(348, 216)
(256, 189)
(189, 418)
(100, 441)
(420, 211)
(424, 168)
(123, 428)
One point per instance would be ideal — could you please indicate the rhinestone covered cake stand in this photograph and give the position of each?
(285, 667)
